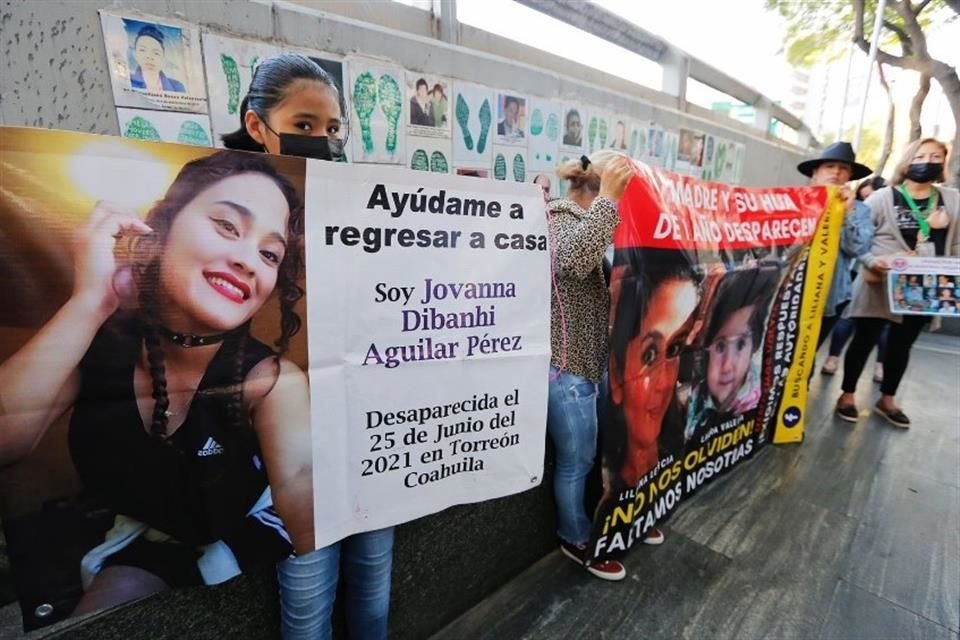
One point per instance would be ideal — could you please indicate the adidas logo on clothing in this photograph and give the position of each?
(211, 448)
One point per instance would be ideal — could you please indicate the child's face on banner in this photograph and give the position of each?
(652, 360)
(729, 356)
(223, 253)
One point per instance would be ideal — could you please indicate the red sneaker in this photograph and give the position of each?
(654, 536)
(605, 570)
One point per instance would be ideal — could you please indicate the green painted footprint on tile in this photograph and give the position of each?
(391, 103)
(553, 127)
(603, 133)
(419, 161)
(463, 119)
(719, 158)
(364, 102)
(232, 75)
(519, 168)
(536, 122)
(193, 133)
(592, 134)
(486, 118)
(141, 129)
(438, 163)
(500, 167)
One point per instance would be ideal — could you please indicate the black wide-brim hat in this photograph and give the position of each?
(837, 152)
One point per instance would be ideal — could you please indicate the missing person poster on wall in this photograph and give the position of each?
(154, 63)
(716, 298)
(171, 377)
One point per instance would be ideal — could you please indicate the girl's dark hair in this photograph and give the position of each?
(739, 289)
(269, 87)
(638, 273)
(876, 182)
(193, 178)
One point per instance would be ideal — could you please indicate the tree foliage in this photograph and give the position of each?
(819, 29)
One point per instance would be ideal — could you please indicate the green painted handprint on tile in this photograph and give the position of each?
(463, 119)
(232, 75)
(438, 163)
(519, 168)
(419, 161)
(592, 134)
(553, 127)
(141, 129)
(193, 133)
(536, 123)
(391, 103)
(486, 118)
(500, 167)
(603, 133)
(364, 102)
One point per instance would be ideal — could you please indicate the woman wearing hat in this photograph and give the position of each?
(911, 217)
(837, 166)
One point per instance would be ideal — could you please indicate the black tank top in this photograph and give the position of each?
(199, 484)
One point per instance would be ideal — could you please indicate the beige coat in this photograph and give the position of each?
(870, 300)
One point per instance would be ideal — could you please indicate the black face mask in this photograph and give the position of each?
(924, 171)
(316, 147)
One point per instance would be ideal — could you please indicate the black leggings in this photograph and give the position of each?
(901, 339)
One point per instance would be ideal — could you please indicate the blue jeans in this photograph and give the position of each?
(572, 425)
(308, 588)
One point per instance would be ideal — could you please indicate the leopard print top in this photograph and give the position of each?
(578, 336)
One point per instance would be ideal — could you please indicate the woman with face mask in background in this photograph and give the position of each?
(294, 107)
(911, 217)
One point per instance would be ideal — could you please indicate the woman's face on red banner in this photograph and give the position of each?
(222, 254)
(652, 360)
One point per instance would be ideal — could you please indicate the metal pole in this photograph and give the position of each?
(874, 43)
(846, 90)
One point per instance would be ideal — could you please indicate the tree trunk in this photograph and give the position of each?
(950, 83)
(916, 107)
(888, 133)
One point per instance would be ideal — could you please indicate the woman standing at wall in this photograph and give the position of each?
(912, 217)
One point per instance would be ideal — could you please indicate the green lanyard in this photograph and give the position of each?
(921, 218)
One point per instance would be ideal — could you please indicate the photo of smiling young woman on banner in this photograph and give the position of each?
(184, 428)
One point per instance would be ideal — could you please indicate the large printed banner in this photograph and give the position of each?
(716, 299)
(429, 351)
(176, 396)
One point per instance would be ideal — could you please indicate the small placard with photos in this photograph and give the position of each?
(924, 286)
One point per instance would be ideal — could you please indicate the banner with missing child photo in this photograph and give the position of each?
(211, 359)
(716, 298)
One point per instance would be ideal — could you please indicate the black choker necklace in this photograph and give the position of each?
(187, 340)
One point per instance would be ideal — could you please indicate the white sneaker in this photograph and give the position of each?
(878, 372)
(830, 366)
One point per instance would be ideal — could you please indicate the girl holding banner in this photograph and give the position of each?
(295, 108)
(911, 217)
(183, 424)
